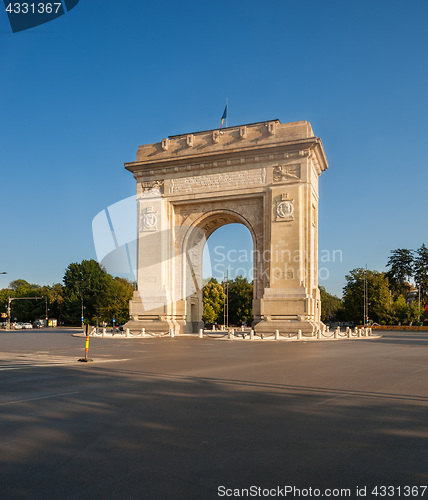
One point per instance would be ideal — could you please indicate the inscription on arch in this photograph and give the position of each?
(244, 178)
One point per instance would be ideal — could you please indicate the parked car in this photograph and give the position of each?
(27, 326)
(210, 326)
(18, 326)
(38, 324)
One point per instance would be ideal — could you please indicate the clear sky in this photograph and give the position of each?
(80, 93)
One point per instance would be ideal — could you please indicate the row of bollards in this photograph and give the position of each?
(358, 332)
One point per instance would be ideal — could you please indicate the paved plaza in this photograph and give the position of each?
(183, 418)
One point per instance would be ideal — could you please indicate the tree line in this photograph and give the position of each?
(385, 293)
(87, 288)
(397, 296)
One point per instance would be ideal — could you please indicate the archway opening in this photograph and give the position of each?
(228, 275)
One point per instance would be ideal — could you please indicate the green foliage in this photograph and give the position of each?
(377, 294)
(331, 307)
(89, 285)
(420, 269)
(23, 310)
(240, 301)
(18, 285)
(213, 297)
(115, 303)
(102, 295)
(401, 312)
(400, 265)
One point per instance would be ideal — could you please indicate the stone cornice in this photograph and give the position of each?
(246, 144)
(276, 153)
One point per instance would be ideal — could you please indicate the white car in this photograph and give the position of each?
(18, 326)
(27, 326)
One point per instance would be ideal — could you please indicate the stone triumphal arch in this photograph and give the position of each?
(263, 175)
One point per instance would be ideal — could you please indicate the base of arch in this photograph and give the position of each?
(288, 326)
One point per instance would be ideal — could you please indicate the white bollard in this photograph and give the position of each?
(143, 331)
(171, 332)
(201, 334)
(276, 334)
(299, 334)
(104, 332)
(231, 334)
(127, 332)
(252, 334)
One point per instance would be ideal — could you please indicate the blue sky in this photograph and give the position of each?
(80, 93)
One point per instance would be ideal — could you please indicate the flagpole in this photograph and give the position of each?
(227, 109)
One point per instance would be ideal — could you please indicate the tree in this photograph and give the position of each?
(115, 303)
(213, 297)
(24, 310)
(378, 295)
(103, 297)
(240, 301)
(16, 285)
(400, 265)
(401, 312)
(420, 268)
(85, 286)
(331, 307)
(53, 305)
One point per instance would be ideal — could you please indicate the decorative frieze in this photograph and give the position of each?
(286, 173)
(150, 185)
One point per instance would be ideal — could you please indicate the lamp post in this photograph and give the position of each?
(81, 296)
(8, 311)
(419, 303)
(226, 299)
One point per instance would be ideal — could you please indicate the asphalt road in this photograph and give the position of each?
(179, 418)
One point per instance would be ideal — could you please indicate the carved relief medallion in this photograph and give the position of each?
(149, 219)
(285, 210)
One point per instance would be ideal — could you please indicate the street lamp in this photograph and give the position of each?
(419, 319)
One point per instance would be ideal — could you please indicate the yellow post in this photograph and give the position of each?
(85, 359)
